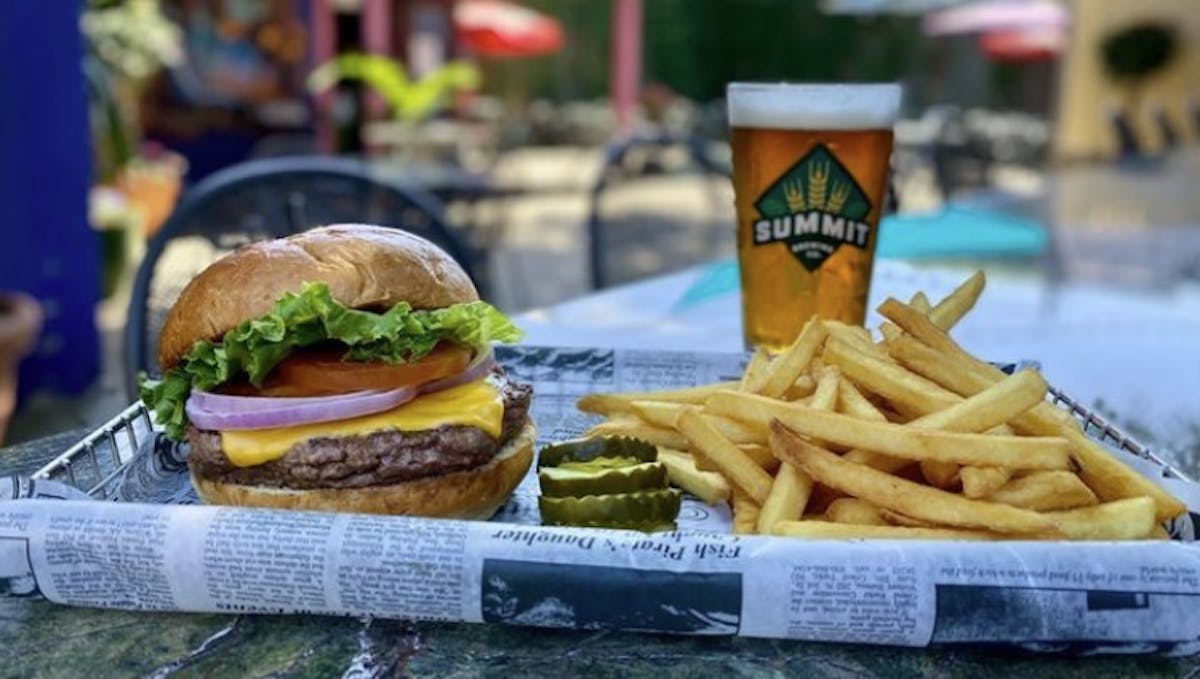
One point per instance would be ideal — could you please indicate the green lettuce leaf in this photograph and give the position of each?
(253, 348)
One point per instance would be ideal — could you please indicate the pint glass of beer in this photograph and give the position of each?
(810, 168)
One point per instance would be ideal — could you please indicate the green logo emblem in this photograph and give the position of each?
(815, 208)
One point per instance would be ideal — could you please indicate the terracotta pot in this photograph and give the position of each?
(20, 325)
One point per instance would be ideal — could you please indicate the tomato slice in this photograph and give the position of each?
(320, 372)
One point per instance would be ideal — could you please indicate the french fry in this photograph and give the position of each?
(730, 461)
(1128, 519)
(658, 413)
(762, 456)
(791, 489)
(611, 404)
(898, 519)
(950, 310)
(980, 482)
(1106, 475)
(785, 370)
(897, 440)
(657, 436)
(825, 397)
(756, 370)
(827, 530)
(1004, 400)
(745, 512)
(855, 337)
(913, 404)
(938, 474)
(786, 500)
(990, 407)
(921, 303)
(878, 461)
(1046, 491)
(851, 402)
(974, 414)
(853, 510)
(804, 385)
(906, 497)
(681, 470)
(889, 331)
(663, 414)
(890, 381)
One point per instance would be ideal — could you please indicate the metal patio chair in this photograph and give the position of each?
(631, 161)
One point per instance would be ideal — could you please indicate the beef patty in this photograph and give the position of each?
(376, 459)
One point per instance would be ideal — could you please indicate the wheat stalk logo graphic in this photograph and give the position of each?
(838, 198)
(795, 196)
(818, 176)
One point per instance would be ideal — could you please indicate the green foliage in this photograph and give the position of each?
(696, 46)
(409, 100)
(1138, 51)
(126, 41)
(256, 346)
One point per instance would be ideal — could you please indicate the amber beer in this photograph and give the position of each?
(810, 168)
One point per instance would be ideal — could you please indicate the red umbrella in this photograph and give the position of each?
(1023, 45)
(492, 28)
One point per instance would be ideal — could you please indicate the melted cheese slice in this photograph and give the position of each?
(475, 404)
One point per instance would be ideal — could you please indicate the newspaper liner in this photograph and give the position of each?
(1120, 597)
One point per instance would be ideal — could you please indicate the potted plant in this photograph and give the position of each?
(411, 101)
(20, 325)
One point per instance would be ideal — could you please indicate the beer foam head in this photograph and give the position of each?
(813, 107)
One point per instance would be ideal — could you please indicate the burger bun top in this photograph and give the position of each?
(364, 266)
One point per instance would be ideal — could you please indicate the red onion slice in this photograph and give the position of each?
(207, 400)
(291, 412)
(478, 368)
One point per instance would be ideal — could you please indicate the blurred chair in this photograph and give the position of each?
(1192, 110)
(1166, 128)
(1128, 145)
(961, 154)
(269, 199)
(658, 234)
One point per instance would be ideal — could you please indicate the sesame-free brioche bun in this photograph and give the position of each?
(364, 266)
(474, 493)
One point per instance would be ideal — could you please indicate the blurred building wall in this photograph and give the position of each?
(1086, 92)
(49, 250)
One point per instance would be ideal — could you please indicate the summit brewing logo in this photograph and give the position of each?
(814, 208)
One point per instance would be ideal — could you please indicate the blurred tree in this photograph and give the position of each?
(126, 42)
(697, 46)
(1133, 55)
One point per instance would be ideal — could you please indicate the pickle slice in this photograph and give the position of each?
(601, 476)
(647, 510)
(584, 450)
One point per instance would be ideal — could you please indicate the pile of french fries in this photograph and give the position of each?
(843, 436)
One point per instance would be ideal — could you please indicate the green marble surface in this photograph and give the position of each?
(41, 639)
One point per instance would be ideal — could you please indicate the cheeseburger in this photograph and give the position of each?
(347, 368)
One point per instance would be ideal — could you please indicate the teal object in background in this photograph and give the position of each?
(960, 233)
(954, 233)
(717, 280)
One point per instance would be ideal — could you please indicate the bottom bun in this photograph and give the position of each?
(470, 494)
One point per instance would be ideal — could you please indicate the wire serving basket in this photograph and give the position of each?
(95, 464)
